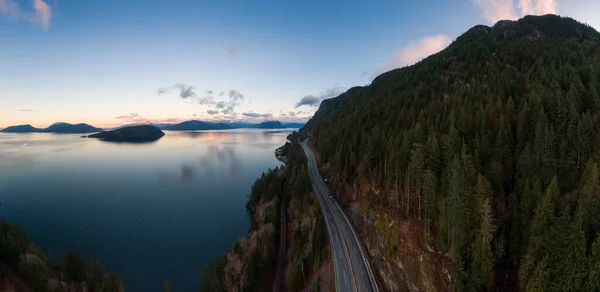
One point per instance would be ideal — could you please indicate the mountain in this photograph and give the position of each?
(486, 151)
(21, 129)
(293, 125)
(63, 128)
(201, 125)
(66, 128)
(270, 125)
(134, 134)
(197, 125)
(193, 125)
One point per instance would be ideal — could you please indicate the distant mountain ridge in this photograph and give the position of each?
(192, 125)
(62, 128)
(195, 125)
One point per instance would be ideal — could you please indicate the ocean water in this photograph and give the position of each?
(150, 212)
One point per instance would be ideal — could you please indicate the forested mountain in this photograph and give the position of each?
(61, 128)
(66, 128)
(491, 145)
(21, 129)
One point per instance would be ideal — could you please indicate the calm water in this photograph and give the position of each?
(149, 211)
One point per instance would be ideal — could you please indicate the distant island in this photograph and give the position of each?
(132, 134)
(61, 128)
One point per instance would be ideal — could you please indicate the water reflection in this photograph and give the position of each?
(187, 172)
(233, 136)
(224, 155)
(147, 142)
(139, 209)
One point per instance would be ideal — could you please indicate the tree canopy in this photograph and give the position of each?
(494, 144)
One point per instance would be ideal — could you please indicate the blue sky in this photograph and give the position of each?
(115, 62)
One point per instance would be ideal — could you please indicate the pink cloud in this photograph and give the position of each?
(43, 12)
(41, 16)
(537, 7)
(496, 10)
(415, 51)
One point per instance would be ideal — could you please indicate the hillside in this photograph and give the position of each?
(133, 134)
(485, 152)
(24, 267)
(251, 264)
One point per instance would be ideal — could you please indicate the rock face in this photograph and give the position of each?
(133, 134)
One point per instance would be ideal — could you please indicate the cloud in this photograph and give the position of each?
(136, 118)
(193, 115)
(235, 99)
(168, 121)
(41, 15)
(229, 52)
(315, 100)
(185, 91)
(27, 110)
(206, 100)
(496, 10)
(129, 116)
(309, 100)
(537, 7)
(212, 112)
(414, 52)
(257, 115)
(43, 12)
(227, 107)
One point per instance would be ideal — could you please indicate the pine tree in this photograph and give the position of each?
(541, 277)
(416, 168)
(429, 194)
(166, 286)
(593, 280)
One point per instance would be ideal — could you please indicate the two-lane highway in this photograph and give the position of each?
(351, 268)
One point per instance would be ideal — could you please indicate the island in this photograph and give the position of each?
(133, 134)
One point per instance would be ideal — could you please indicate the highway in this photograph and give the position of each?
(351, 268)
(278, 283)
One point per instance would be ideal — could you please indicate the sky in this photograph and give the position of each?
(115, 62)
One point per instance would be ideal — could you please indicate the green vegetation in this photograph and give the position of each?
(493, 145)
(244, 267)
(39, 273)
